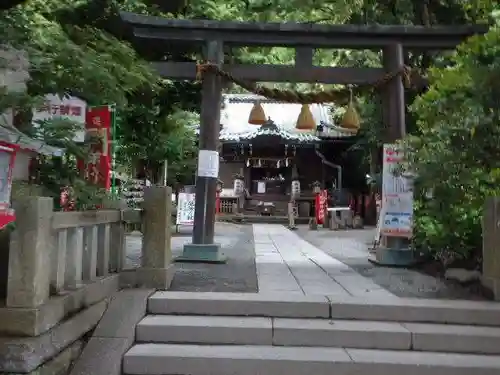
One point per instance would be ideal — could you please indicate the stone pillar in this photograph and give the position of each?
(239, 192)
(29, 253)
(491, 248)
(156, 270)
(118, 246)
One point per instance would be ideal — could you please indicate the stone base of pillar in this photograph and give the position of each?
(395, 253)
(157, 278)
(492, 284)
(201, 253)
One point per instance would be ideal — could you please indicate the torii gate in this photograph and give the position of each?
(213, 38)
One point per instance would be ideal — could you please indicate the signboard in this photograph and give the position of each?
(397, 196)
(321, 206)
(98, 125)
(208, 163)
(67, 107)
(7, 158)
(185, 209)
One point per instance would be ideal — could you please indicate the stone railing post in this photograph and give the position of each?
(157, 270)
(491, 249)
(30, 253)
(117, 237)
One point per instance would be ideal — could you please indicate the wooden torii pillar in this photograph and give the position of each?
(215, 36)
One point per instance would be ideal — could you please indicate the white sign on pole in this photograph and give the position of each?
(185, 209)
(397, 196)
(67, 107)
(208, 163)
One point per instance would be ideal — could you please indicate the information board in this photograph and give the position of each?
(397, 196)
(185, 209)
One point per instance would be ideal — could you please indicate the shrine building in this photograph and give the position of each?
(268, 157)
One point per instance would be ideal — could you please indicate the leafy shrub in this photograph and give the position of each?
(456, 153)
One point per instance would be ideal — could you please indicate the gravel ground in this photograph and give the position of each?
(351, 247)
(237, 275)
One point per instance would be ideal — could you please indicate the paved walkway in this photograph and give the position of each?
(287, 263)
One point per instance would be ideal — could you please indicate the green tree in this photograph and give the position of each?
(75, 48)
(456, 152)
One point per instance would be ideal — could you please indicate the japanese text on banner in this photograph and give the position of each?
(397, 195)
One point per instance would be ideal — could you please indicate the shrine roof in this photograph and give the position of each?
(301, 137)
(235, 127)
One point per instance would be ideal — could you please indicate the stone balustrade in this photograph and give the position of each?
(60, 262)
(491, 246)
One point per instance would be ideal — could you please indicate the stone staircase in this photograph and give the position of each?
(295, 334)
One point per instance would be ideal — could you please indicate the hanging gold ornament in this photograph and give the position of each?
(305, 121)
(350, 121)
(257, 115)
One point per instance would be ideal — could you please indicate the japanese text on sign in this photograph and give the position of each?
(185, 209)
(397, 196)
(67, 107)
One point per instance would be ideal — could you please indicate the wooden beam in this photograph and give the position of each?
(278, 73)
(304, 57)
(296, 34)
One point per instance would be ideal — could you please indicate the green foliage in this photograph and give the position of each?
(76, 47)
(58, 173)
(151, 137)
(456, 153)
(77, 59)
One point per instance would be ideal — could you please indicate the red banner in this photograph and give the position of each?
(98, 126)
(7, 159)
(321, 206)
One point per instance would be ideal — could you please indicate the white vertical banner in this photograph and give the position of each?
(397, 196)
(185, 209)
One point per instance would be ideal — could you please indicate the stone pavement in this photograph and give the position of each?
(306, 262)
(351, 247)
(287, 263)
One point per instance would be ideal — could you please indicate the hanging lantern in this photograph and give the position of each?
(350, 121)
(305, 121)
(257, 114)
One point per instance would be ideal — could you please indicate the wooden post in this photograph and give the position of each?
(203, 248)
(394, 251)
(393, 60)
(30, 253)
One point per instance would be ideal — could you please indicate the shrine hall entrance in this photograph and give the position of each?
(269, 180)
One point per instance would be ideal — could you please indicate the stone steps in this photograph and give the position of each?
(162, 359)
(297, 305)
(296, 334)
(223, 330)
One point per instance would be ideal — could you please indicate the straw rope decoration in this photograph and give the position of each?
(293, 96)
